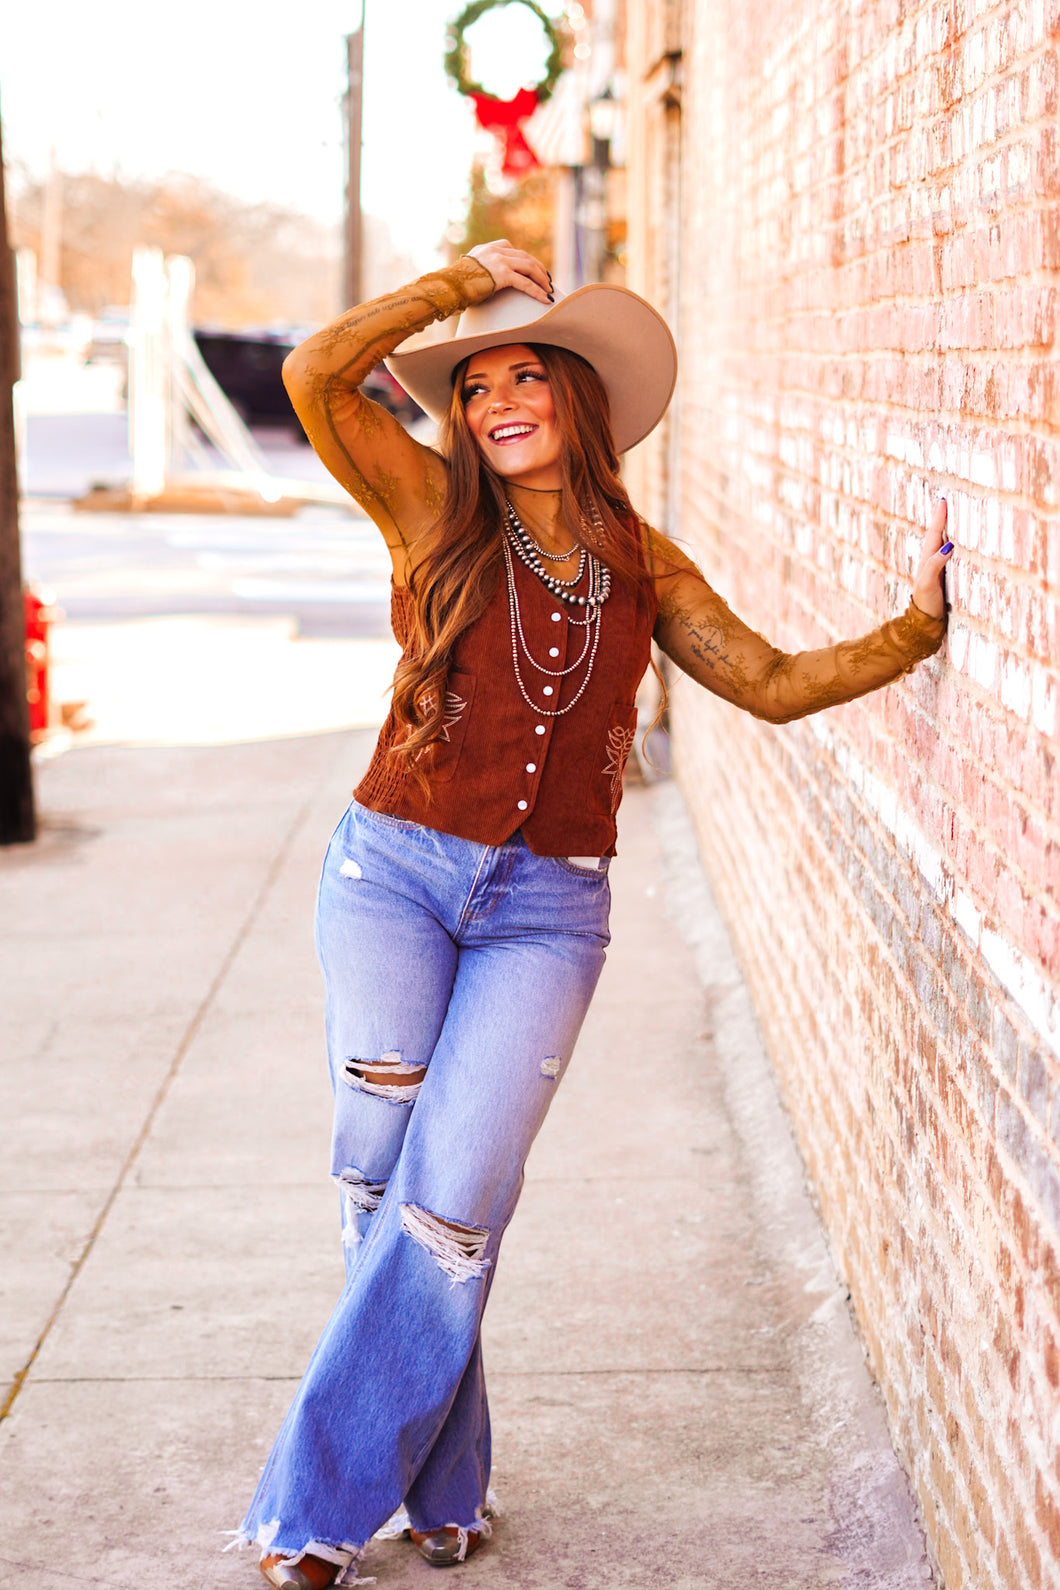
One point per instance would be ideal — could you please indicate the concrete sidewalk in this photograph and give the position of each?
(678, 1396)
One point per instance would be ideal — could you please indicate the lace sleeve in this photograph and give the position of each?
(707, 641)
(399, 482)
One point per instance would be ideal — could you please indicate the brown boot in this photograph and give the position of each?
(308, 1573)
(443, 1548)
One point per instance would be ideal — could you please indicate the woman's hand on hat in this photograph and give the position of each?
(514, 267)
(935, 551)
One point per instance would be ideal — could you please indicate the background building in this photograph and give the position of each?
(849, 213)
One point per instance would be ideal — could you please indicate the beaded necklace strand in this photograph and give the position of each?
(519, 541)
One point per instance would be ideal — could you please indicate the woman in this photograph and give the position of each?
(462, 917)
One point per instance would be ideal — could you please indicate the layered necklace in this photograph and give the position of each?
(520, 542)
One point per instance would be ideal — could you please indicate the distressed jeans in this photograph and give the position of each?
(477, 962)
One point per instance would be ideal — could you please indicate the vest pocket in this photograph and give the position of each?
(605, 780)
(440, 759)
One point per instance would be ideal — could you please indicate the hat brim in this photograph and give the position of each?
(626, 341)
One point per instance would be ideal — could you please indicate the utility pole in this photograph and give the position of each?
(17, 819)
(353, 105)
(51, 238)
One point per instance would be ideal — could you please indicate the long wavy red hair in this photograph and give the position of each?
(458, 566)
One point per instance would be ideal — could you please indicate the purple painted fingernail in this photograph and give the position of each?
(947, 548)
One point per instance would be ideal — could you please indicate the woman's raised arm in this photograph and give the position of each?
(397, 480)
(705, 638)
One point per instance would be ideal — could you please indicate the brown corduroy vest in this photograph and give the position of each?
(501, 764)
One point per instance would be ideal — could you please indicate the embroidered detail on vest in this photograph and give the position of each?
(619, 745)
(454, 711)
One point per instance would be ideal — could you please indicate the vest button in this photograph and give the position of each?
(522, 806)
(556, 617)
(548, 690)
(553, 651)
(531, 767)
(540, 729)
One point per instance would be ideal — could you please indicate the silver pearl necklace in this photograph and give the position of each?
(532, 541)
(598, 572)
(527, 550)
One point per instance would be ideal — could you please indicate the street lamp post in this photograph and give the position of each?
(594, 184)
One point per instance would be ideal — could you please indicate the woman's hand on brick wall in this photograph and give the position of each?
(935, 553)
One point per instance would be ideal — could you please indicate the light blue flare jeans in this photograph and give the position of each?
(477, 962)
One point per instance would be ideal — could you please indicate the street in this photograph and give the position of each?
(195, 628)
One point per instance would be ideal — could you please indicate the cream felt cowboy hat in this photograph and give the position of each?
(625, 340)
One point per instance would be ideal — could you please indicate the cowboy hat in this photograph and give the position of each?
(625, 340)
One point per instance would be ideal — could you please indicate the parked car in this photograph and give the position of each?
(246, 366)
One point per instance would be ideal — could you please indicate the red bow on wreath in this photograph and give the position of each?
(504, 118)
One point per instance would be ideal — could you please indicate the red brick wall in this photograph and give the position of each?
(870, 238)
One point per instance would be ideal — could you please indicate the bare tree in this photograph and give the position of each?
(255, 264)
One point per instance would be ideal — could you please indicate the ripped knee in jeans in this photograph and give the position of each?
(390, 1077)
(458, 1249)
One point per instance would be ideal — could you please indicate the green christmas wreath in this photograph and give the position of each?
(456, 50)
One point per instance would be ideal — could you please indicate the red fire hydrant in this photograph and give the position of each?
(41, 613)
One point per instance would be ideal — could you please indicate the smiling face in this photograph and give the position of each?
(508, 405)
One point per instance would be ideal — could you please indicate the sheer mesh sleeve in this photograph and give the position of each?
(399, 482)
(707, 641)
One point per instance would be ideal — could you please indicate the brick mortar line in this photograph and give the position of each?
(921, 128)
(862, 65)
(744, 355)
(739, 356)
(939, 177)
(884, 244)
(797, 314)
(779, 351)
(190, 1033)
(879, 411)
(927, 357)
(977, 218)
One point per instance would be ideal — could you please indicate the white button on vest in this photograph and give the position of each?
(540, 729)
(531, 767)
(555, 618)
(553, 651)
(522, 806)
(548, 690)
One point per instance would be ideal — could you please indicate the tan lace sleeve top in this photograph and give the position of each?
(401, 484)
(706, 640)
(397, 481)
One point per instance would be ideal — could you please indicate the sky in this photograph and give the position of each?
(248, 96)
